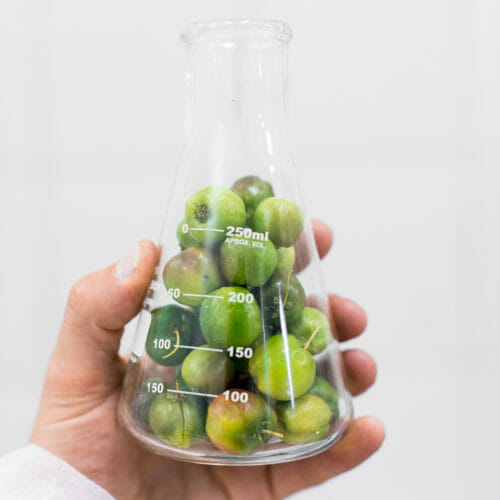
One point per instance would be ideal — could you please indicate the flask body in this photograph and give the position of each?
(235, 359)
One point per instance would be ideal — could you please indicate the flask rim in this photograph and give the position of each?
(236, 30)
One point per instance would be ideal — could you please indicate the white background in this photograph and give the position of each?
(396, 119)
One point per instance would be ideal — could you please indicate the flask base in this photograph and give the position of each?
(274, 455)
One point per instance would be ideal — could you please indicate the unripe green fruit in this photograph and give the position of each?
(231, 317)
(177, 420)
(193, 271)
(286, 258)
(245, 261)
(239, 427)
(207, 371)
(252, 190)
(217, 208)
(281, 218)
(283, 291)
(281, 368)
(170, 326)
(313, 330)
(325, 391)
(149, 390)
(308, 419)
(186, 239)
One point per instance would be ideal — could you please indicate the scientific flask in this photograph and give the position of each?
(235, 359)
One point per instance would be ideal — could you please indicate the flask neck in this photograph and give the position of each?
(236, 99)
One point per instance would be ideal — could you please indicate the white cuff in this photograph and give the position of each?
(33, 473)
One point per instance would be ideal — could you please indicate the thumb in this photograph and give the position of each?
(85, 360)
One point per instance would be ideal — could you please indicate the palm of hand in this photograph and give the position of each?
(78, 421)
(104, 452)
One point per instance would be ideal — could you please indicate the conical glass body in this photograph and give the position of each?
(235, 359)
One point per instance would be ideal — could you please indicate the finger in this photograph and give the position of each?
(360, 371)
(323, 238)
(108, 299)
(99, 306)
(350, 319)
(362, 440)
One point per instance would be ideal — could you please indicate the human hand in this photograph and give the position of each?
(77, 419)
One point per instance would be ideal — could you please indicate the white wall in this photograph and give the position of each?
(395, 108)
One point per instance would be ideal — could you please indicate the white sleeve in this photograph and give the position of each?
(32, 473)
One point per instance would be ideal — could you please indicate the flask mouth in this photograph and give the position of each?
(236, 30)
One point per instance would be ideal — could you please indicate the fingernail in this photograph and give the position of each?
(125, 267)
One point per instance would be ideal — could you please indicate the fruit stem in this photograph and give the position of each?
(306, 345)
(277, 434)
(177, 338)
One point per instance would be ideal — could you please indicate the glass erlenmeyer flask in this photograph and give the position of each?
(234, 361)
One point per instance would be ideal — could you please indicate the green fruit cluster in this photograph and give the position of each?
(238, 329)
